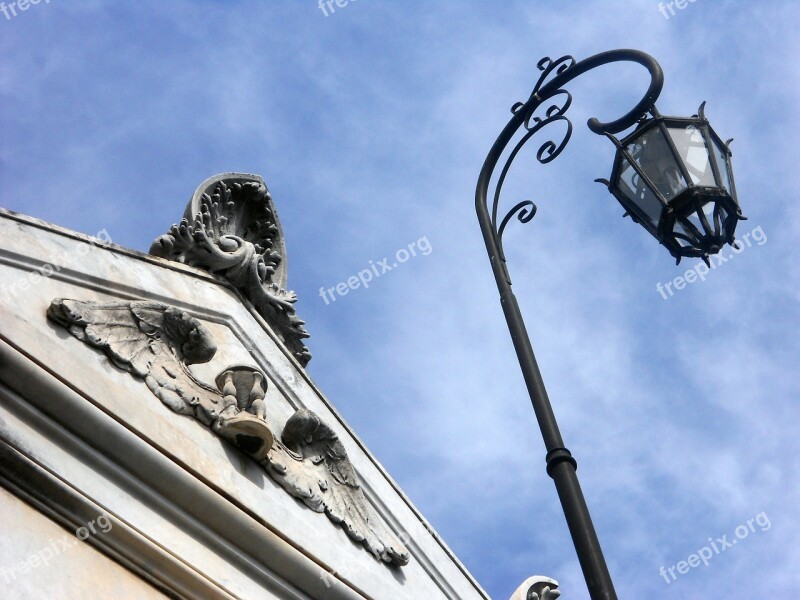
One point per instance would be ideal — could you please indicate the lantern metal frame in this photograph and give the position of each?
(715, 229)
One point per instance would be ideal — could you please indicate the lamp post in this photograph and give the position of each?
(672, 175)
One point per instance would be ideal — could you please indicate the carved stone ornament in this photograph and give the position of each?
(537, 588)
(230, 228)
(155, 343)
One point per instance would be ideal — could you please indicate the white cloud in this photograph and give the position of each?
(370, 127)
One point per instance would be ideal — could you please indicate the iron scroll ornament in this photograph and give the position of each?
(555, 74)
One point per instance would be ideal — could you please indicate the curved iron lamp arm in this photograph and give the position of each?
(561, 466)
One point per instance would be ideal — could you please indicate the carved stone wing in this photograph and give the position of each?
(152, 341)
(312, 465)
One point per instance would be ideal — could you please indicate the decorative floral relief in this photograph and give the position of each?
(155, 343)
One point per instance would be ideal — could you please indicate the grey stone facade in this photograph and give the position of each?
(163, 498)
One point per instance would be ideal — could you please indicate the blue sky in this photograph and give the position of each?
(370, 126)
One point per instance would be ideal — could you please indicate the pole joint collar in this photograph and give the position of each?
(556, 457)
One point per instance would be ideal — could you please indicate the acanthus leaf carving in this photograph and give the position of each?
(155, 343)
(230, 228)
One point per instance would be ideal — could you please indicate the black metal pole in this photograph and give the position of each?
(561, 466)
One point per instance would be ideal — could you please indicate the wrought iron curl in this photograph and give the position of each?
(527, 210)
(548, 151)
(548, 66)
(549, 92)
(559, 102)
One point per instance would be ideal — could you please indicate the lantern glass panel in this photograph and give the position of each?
(722, 164)
(680, 230)
(691, 145)
(652, 152)
(695, 219)
(632, 186)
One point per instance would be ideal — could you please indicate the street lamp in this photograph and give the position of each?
(672, 175)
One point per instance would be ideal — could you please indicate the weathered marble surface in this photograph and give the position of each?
(190, 497)
(36, 553)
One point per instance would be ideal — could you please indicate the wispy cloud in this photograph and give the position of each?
(370, 129)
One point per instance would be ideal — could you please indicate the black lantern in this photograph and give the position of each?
(673, 176)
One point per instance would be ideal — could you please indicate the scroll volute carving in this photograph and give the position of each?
(230, 228)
